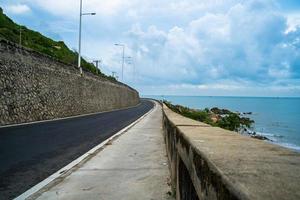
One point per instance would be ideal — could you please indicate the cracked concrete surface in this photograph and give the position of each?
(134, 166)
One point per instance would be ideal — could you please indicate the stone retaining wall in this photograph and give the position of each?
(36, 87)
(212, 163)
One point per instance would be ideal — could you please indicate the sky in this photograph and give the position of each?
(181, 47)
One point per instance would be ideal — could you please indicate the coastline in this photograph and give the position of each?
(275, 118)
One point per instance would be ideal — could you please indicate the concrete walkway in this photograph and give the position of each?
(133, 166)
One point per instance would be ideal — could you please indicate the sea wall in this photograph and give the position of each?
(37, 87)
(212, 163)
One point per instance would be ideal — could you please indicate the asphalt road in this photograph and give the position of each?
(31, 153)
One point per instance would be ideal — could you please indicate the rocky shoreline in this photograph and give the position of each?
(233, 121)
(253, 134)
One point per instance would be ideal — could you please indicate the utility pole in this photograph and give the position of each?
(123, 58)
(134, 70)
(97, 62)
(79, 40)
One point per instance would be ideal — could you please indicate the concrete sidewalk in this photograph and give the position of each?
(133, 166)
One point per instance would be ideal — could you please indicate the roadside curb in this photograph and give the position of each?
(69, 117)
(61, 174)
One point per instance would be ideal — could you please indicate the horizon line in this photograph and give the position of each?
(162, 95)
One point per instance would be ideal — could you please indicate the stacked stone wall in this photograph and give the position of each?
(36, 87)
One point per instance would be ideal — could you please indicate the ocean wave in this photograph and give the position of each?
(270, 135)
(274, 139)
(289, 145)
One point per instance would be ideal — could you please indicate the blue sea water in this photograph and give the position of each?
(276, 118)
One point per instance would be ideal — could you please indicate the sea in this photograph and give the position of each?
(277, 118)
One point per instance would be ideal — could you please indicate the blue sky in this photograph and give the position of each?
(181, 47)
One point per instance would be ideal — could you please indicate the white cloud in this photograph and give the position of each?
(246, 42)
(18, 9)
(279, 73)
(293, 21)
(213, 26)
(201, 43)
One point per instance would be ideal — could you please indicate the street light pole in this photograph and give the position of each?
(123, 58)
(79, 45)
(79, 40)
(131, 62)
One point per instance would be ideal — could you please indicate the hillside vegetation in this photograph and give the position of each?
(9, 30)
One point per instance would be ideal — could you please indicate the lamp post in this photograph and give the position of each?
(123, 54)
(129, 58)
(130, 61)
(79, 45)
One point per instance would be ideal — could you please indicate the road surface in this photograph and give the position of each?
(30, 153)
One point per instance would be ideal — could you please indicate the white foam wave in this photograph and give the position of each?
(289, 146)
(270, 134)
(275, 139)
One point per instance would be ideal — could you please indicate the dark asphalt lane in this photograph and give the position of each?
(31, 153)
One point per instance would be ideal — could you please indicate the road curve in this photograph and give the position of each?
(30, 153)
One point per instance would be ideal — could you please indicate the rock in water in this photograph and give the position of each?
(260, 137)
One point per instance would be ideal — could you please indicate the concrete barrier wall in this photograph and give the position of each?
(36, 87)
(212, 163)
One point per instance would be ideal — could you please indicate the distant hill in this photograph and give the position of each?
(9, 30)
